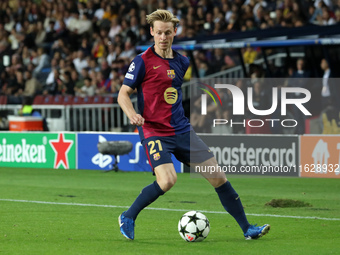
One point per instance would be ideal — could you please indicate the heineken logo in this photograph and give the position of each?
(45, 150)
(23, 152)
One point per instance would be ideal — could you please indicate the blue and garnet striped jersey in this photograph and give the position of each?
(158, 81)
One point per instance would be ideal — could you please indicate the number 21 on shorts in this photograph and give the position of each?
(155, 146)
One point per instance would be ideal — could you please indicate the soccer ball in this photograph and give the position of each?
(193, 226)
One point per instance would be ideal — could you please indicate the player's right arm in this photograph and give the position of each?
(125, 103)
(133, 78)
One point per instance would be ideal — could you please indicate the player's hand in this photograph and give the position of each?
(137, 120)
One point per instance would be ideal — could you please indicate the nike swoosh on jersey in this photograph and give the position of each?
(155, 67)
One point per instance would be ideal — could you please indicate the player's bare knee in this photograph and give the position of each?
(220, 181)
(217, 182)
(166, 186)
(168, 183)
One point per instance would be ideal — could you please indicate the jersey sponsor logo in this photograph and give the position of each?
(156, 156)
(170, 95)
(132, 67)
(129, 76)
(155, 67)
(171, 74)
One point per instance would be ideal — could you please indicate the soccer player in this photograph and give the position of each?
(158, 74)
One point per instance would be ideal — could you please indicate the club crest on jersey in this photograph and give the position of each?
(156, 156)
(171, 74)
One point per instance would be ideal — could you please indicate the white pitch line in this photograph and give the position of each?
(168, 209)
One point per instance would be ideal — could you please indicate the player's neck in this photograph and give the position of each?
(168, 53)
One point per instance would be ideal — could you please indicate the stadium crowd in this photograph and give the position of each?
(84, 47)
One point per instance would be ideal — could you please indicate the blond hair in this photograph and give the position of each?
(162, 15)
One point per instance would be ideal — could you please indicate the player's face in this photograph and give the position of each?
(163, 33)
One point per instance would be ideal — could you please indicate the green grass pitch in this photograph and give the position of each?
(82, 207)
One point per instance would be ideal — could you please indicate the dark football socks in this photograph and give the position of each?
(149, 194)
(232, 204)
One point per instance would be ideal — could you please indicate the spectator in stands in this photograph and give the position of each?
(89, 89)
(202, 68)
(98, 48)
(80, 61)
(134, 27)
(25, 55)
(247, 12)
(93, 65)
(143, 36)
(62, 32)
(105, 68)
(104, 84)
(99, 13)
(325, 92)
(16, 64)
(85, 46)
(50, 76)
(200, 18)
(330, 92)
(32, 85)
(122, 66)
(52, 86)
(40, 34)
(60, 46)
(80, 81)
(233, 22)
(249, 55)
(115, 28)
(75, 76)
(66, 85)
(20, 81)
(108, 14)
(209, 23)
(301, 71)
(50, 35)
(41, 61)
(326, 18)
(299, 78)
(15, 39)
(115, 86)
(259, 13)
(128, 52)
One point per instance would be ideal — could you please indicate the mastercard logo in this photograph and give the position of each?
(170, 95)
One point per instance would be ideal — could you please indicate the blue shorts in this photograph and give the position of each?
(186, 147)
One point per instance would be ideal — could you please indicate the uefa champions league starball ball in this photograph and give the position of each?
(193, 226)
